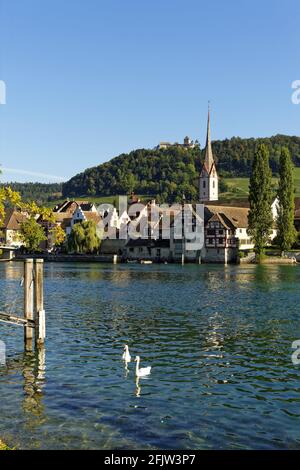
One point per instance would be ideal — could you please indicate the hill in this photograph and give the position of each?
(41, 193)
(169, 173)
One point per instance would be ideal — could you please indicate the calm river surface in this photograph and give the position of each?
(218, 339)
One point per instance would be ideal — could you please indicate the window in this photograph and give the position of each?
(158, 252)
(204, 184)
(214, 184)
(210, 231)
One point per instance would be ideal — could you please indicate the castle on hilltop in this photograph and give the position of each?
(187, 144)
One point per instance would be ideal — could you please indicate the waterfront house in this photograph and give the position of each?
(69, 207)
(81, 215)
(10, 231)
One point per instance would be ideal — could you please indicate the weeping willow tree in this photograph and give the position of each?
(84, 238)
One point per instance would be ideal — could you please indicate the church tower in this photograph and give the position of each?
(208, 182)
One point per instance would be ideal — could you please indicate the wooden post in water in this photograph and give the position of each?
(28, 302)
(40, 320)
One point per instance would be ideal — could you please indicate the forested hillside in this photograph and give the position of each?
(38, 192)
(170, 173)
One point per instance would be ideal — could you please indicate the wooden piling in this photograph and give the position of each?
(28, 302)
(40, 320)
(33, 321)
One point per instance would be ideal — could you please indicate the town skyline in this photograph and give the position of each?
(92, 103)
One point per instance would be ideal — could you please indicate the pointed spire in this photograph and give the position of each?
(209, 159)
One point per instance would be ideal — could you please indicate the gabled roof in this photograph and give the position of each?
(71, 206)
(13, 220)
(223, 220)
(237, 216)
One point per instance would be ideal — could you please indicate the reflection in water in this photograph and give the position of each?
(126, 368)
(219, 339)
(138, 388)
(32, 366)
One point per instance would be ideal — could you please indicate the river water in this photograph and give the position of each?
(218, 340)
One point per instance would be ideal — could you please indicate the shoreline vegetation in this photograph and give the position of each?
(3, 446)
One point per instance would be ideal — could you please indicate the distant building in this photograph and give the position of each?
(187, 144)
(69, 207)
(66, 215)
(80, 215)
(11, 229)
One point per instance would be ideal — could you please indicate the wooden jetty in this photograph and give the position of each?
(34, 319)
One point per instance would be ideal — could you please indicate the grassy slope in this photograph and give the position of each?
(238, 190)
(239, 186)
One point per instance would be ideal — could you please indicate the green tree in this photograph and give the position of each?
(223, 186)
(286, 234)
(130, 183)
(32, 234)
(84, 238)
(260, 198)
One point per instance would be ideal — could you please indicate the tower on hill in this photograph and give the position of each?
(208, 182)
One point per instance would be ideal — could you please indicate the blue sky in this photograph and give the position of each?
(88, 80)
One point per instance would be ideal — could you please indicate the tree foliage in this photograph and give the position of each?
(59, 235)
(41, 193)
(286, 232)
(170, 173)
(32, 234)
(84, 238)
(260, 198)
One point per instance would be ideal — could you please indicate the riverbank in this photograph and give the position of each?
(69, 258)
(271, 260)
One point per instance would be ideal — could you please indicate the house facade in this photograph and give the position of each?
(10, 232)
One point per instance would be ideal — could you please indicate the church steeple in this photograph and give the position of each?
(208, 185)
(209, 159)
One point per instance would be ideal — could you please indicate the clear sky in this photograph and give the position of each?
(89, 79)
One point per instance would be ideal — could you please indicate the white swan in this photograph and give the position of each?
(143, 371)
(126, 355)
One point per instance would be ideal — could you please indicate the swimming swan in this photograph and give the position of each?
(126, 355)
(143, 371)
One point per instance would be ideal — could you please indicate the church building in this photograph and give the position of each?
(208, 182)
